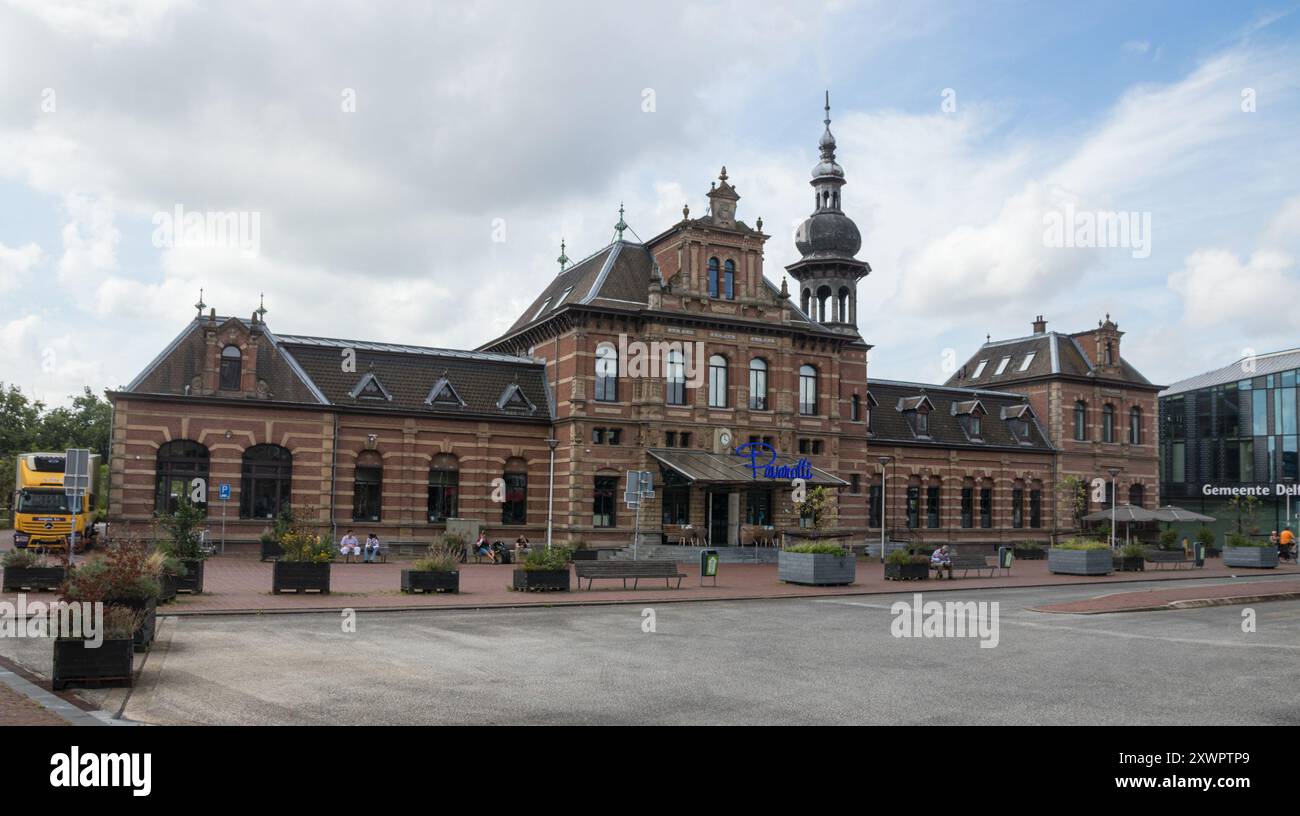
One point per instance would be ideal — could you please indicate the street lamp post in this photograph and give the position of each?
(1114, 500)
(884, 502)
(551, 442)
(1288, 480)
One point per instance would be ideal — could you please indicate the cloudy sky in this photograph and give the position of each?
(413, 167)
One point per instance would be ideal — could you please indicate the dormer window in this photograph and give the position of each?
(370, 388)
(970, 414)
(231, 368)
(513, 399)
(1029, 358)
(443, 395)
(1002, 365)
(917, 411)
(979, 369)
(1110, 353)
(1018, 418)
(922, 423)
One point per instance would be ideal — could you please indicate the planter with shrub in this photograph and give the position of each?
(1030, 551)
(1130, 558)
(544, 570)
(179, 539)
(1080, 557)
(816, 564)
(436, 572)
(304, 563)
(126, 576)
(1250, 553)
(899, 566)
(28, 570)
(77, 662)
(1205, 538)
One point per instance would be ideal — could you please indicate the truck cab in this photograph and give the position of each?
(43, 515)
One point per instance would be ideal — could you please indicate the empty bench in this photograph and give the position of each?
(635, 570)
(1160, 559)
(966, 563)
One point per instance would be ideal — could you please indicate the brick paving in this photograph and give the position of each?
(241, 583)
(1144, 600)
(18, 709)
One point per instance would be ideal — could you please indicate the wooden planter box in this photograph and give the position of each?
(192, 580)
(1030, 555)
(815, 569)
(541, 580)
(907, 572)
(271, 550)
(427, 581)
(1080, 562)
(32, 579)
(586, 555)
(1252, 557)
(168, 584)
(300, 576)
(148, 625)
(76, 664)
(1130, 563)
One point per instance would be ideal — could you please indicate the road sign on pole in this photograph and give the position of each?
(640, 486)
(76, 484)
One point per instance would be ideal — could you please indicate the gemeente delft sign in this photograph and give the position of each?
(1264, 490)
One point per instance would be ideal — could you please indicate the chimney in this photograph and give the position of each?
(1040, 325)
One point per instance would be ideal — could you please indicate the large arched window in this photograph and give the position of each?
(266, 480)
(1108, 423)
(807, 390)
(1081, 420)
(444, 487)
(1135, 426)
(676, 381)
(606, 373)
(514, 510)
(823, 298)
(368, 487)
(231, 368)
(717, 381)
(758, 384)
(179, 463)
(729, 280)
(713, 277)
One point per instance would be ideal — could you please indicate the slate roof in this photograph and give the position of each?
(1263, 364)
(889, 423)
(305, 369)
(1055, 354)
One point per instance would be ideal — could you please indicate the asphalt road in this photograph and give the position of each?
(831, 660)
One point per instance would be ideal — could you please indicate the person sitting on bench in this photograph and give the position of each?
(348, 545)
(940, 560)
(372, 548)
(484, 547)
(522, 546)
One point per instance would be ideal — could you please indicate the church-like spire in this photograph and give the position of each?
(621, 225)
(563, 260)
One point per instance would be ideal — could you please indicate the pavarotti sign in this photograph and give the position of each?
(756, 452)
(1263, 490)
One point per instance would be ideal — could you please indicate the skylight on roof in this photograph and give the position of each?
(1002, 365)
(563, 296)
(979, 369)
(1029, 358)
(545, 303)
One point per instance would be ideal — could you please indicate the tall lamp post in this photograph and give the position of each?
(551, 442)
(1288, 481)
(884, 502)
(1114, 500)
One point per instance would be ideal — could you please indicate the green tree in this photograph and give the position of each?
(85, 424)
(19, 420)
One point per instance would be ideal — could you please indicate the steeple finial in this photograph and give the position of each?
(827, 120)
(563, 260)
(723, 175)
(621, 225)
(200, 305)
(261, 307)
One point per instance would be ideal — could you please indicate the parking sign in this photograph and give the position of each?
(223, 492)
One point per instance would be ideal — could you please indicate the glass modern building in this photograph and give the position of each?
(1233, 432)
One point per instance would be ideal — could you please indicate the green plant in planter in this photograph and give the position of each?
(1205, 537)
(1029, 545)
(1168, 539)
(556, 558)
(160, 563)
(123, 575)
(440, 558)
(1239, 540)
(120, 622)
(818, 506)
(1132, 551)
(1082, 544)
(180, 533)
(22, 559)
(901, 558)
(268, 538)
(306, 547)
(819, 548)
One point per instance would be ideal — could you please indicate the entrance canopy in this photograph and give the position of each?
(1123, 512)
(702, 467)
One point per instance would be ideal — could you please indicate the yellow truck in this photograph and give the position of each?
(42, 514)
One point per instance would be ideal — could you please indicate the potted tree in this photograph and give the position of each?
(180, 542)
(1130, 558)
(1030, 551)
(1168, 540)
(436, 572)
(544, 570)
(28, 570)
(1254, 553)
(304, 563)
(168, 570)
(900, 566)
(1079, 556)
(123, 577)
(1205, 538)
(77, 661)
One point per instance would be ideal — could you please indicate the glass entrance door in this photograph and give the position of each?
(718, 519)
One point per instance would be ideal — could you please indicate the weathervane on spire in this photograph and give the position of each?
(200, 305)
(563, 260)
(621, 225)
(261, 308)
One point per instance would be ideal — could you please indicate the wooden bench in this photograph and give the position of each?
(966, 563)
(636, 570)
(381, 556)
(1171, 558)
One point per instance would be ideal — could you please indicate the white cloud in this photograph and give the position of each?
(16, 263)
(97, 19)
(1218, 287)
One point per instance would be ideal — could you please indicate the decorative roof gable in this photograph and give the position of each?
(444, 393)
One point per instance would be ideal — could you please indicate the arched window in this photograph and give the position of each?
(444, 487)
(231, 368)
(842, 304)
(758, 384)
(729, 280)
(1136, 495)
(717, 381)
(855, 408)
(179, 463)
(713, 277)
(676, 381)
(606, 373)
(266, 480)
(1081, 420)
(807, 390)
(805, 300)
(823, 297)
(514, 510)
(367, 487)
(1108, 423)
(1135, 426)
